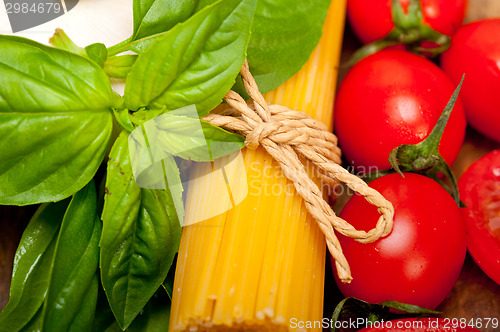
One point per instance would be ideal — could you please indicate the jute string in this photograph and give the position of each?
(288, 135)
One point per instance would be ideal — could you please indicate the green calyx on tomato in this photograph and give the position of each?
(376, 312)
(410, 30)
(424, 157)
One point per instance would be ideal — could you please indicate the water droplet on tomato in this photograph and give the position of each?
(496, 171)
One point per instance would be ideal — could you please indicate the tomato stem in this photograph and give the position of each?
(424, 157)
(368, 49)
(409, 30)
(376, 312)
(432, 141)
(405, 21)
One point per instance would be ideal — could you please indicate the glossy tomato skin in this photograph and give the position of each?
(475, 51)
(391, 98)
(372, 20)
(420, 260)
(479, 189)
(421, 325)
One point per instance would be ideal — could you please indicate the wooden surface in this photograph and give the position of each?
(479, 9)
(474, 295)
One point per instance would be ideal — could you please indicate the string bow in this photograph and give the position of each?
(288, 136)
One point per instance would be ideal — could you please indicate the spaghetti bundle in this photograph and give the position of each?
(260, 264)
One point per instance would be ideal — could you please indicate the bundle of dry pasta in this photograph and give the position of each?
(261, 264)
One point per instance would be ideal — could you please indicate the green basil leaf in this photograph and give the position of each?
(120, 257)
(54, 283)
(152, 166)
(136, 46)
(282, 43)
(32, 265)
(97, 52)
(55, 121)
(284, 33)
(156, 315)
(153, 318)
(119, 66)
(85, 316)
(154, 16)
(141, 234)
(72, 294)
(221, 142)
(194, 139)
(152, 19)
(35, 324)
(122, 117)
(196, 62)
(174, 186)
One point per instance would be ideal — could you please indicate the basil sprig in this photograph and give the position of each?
(60, 120)
(156, 16)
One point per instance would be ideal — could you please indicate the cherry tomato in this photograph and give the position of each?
(425, 325)
(391, 98)
(372, 20)
(420, 260)
(479, 189)
(475, 51)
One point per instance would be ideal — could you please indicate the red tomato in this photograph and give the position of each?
(392, 98)
(475, 51)
(479, 189)
(372, 20)
(425, 325)
(420, 260)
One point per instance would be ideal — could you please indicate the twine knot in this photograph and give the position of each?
(287, 136)
(278, 131)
